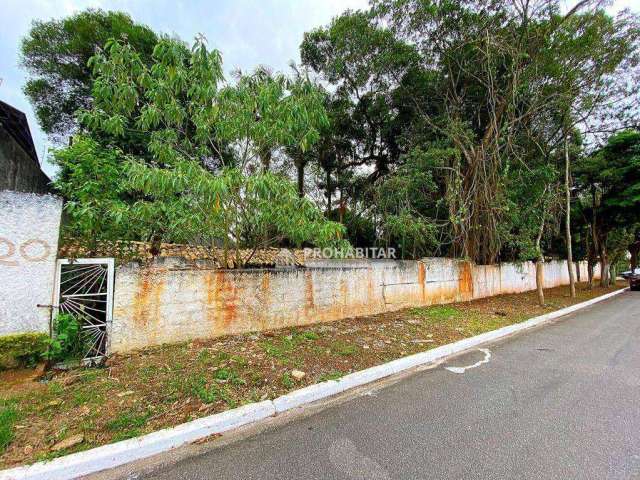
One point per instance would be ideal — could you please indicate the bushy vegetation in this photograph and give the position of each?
(68, 341)
(22, 350)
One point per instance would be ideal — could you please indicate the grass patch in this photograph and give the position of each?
(22, 349)
(8, 417)
(229, 375)
(438, 313)
(128, 420)
(343, 348)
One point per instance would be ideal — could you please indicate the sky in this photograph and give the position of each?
(247, 32)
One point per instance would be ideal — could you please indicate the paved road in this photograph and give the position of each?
(560, 402)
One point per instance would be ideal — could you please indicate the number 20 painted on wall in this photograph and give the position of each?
(8, 250)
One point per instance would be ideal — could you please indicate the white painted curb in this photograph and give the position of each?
(109, 456)
(116, 454)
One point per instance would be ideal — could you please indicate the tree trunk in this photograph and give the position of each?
(590, 273)
(594, 232)
(540, 260)
(540, 280)
(265, 158)
(612, 274)
(572, 280)
(328, 187)
(300, 167)
(604, 266)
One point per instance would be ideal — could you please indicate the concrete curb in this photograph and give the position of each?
(116, 454)
(113, 455)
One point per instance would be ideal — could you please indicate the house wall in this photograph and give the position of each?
(167, 302)
(29, 225)
(18, 171)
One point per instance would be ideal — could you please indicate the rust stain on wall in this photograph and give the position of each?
(146, 303)
(421, 281)
(228, 296)
(465, 281)
(309, 302)
(265, 294)
(210, 285)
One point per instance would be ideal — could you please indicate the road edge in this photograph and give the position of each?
(117, 454)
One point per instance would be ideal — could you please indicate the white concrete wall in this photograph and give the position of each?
(29, 229)
(163, 303)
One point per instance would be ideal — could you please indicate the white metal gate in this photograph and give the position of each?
(84, 288)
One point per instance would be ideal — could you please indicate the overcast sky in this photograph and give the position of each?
(247, 32)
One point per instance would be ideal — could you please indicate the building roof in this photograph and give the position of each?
(15, 123)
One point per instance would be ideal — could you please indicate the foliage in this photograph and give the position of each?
(507, 77)
(409, 203)
(440, 132)
(263, 112)
(152, 166)
(92, 181)
(609, 182)
(68, 341)
(240, 210)
(21, 350)
(55, 54)
(499, 84)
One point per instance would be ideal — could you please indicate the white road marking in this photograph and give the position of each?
(487, 357)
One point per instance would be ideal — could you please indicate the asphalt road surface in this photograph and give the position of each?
(561, 402)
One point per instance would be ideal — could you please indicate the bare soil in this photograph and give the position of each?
(167, 385)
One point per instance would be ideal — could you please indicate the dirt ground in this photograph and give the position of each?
(45, 416)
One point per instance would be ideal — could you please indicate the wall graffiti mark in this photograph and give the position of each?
(32, 250)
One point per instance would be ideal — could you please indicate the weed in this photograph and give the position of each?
(55, 388)
(127, 421)
(224, 374)
(82, 397)
(256, 378)
(342, 348)
(126, 434)
(310, 335)
(274, 350)
(287, 381)
(239, 360)
(333, 375)
(69, 341)
(230, 375)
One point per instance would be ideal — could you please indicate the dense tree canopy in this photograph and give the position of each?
(467, 128)
(55, 53)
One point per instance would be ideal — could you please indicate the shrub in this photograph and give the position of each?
(68, 341)
(22, 350)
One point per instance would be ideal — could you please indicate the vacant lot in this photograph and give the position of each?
(164, 386)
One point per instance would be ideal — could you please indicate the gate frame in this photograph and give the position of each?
(110, 263)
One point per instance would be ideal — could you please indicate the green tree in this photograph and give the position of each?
(55, 54)
(502, 74)
(154, 143)
(609, 180)
(263, 112)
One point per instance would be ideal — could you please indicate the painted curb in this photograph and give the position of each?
(113, 455)
(116, 454)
